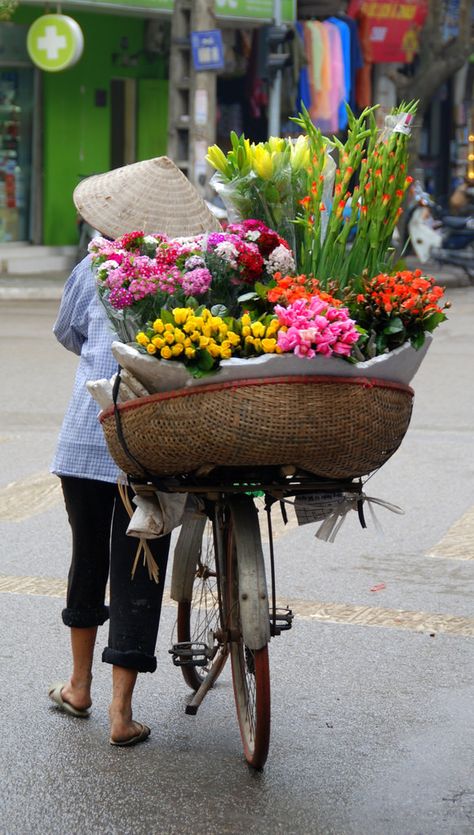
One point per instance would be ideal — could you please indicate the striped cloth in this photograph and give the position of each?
(82, 326)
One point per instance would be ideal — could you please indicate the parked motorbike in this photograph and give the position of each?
(437, 236)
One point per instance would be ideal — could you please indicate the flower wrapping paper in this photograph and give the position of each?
(398, 366)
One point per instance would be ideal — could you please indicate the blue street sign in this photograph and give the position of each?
(208, 51)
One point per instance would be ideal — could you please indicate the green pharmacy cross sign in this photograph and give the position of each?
(55, 42)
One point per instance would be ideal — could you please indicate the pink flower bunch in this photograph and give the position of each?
(196, 282)
(103, 248)
(314, 327)
(148, 272)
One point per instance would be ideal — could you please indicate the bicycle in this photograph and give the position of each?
(338, 428)
(219, 583)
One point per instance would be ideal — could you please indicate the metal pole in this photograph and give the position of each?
(274, 107)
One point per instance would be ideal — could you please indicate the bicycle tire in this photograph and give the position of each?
(250, 668)
(200, 614)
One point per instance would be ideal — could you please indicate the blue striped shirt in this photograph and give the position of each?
(82, 326)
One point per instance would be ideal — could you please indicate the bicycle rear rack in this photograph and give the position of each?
(189, 654)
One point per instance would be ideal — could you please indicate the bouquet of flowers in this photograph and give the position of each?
(139, 275)
(388, 310)
(244, 292)
(267, 180)
(297, 183)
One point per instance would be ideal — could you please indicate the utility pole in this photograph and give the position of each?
(192, 94)
(274, 107)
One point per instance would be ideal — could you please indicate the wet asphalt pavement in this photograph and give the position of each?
(372, 691)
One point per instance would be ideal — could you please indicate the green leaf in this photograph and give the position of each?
(232, 324)
(418, 339)
(191, 302)
(219, 310)
(247, 297)
(395, 325)
(272, 193)
(262, 289)
(205, 361)
(433, 320)
(166, 316)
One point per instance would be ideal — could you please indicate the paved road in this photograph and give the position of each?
(373, 690)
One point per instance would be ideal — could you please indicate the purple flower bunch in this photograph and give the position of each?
(311, 326)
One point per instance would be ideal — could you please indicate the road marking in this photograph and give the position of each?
(22, 499)
(458, 543)
(353, 615)
(341, 613)
(44, 586)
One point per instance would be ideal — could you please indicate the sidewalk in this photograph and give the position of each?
(32, 288)
(46, 287)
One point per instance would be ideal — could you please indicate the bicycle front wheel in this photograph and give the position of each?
(199, 608)
(250, 667)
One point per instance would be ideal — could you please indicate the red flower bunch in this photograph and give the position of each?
(393, 309)
(131, 240)
(290, 288)
(250, 263)
(256, 232)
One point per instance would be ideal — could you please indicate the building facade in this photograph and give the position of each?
(109, 109)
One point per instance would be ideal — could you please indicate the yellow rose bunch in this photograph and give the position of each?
(259, 337)
(200, 339)
(192, 336)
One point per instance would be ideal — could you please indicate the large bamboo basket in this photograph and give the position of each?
(334, 427)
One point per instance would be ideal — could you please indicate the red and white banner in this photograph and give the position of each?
(392, 28)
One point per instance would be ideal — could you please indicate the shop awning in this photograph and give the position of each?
(238, 10)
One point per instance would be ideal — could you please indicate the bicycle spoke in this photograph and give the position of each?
(199, 620)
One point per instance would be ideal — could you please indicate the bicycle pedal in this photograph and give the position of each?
(280, 621)
(190, 654)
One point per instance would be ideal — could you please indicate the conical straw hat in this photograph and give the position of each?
(153, 196)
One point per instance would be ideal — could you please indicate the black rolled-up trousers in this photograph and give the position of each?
(98, 523)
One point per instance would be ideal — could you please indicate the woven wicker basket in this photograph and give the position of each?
(334, 427)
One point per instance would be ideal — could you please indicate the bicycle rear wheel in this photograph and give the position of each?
(199, 615)
(250, 667)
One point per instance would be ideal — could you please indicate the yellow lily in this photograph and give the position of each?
(299, 155)
(216, 157)
(276, 143)
(262, 162)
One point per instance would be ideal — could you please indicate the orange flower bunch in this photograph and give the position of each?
(393, 309)
(290, 288)
(402, 293)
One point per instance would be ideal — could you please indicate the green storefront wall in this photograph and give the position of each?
(76, 116)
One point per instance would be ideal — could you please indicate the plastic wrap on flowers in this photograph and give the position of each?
(124, 322)
(251, 196)
(329, 174)
(398, 366)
